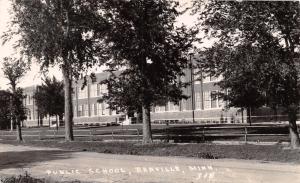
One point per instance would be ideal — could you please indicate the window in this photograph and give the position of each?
(214, 99)
(29, 114)
(82, 93)
(102, 109)
(29, 99)
(183, 105)
(103, 89)
(160, 108)
(85, 110)
(94, 90)
(207, 102)
(106, 109)
(99, 109)
(173, 107)
(94, 109)
(80, 110)
(220, 102)
(198, 100)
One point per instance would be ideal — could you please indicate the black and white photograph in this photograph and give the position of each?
(149, 91)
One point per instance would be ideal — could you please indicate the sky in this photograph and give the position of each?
(33, 77)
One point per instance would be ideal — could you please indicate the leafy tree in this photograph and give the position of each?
(58, 32)
(14, 70)
(122, 94)
(240, 70)
(49, 98)
(272, 30)
(151, 52)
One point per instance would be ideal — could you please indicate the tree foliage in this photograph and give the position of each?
(258, 48)
(18, 108)
(63, 33)
(54, 30)
(14, 70)
(150, 50)
(49, 97)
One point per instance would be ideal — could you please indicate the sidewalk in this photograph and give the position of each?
(62, 165)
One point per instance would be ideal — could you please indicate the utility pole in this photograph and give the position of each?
(11, 114)
(192, 88)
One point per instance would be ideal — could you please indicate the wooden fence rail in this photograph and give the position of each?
(198, 132)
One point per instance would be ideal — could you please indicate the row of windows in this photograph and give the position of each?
(96, 90)
(34, 115)
(211, 100)
(96, 109)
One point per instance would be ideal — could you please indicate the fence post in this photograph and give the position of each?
(167, 132)
(203, 134)
(112, 134)
(138, 134)
(40, 137)
(91, 135)
(246, 132)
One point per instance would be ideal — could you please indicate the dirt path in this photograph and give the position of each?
(62, 165)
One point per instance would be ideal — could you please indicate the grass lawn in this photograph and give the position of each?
(202, 150)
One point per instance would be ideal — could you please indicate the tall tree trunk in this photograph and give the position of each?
(41, 120)
(294, 135)
(67, 77)
(38, 119)
(139, 116)
(249, 115)
(11, 114)
(242, 115)
(15, 115)
(68, 104)
(147, 134)
(19, 132)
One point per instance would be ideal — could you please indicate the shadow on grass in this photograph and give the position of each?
(21, 159)
(194, 133)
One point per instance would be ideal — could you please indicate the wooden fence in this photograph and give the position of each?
(202, 133)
